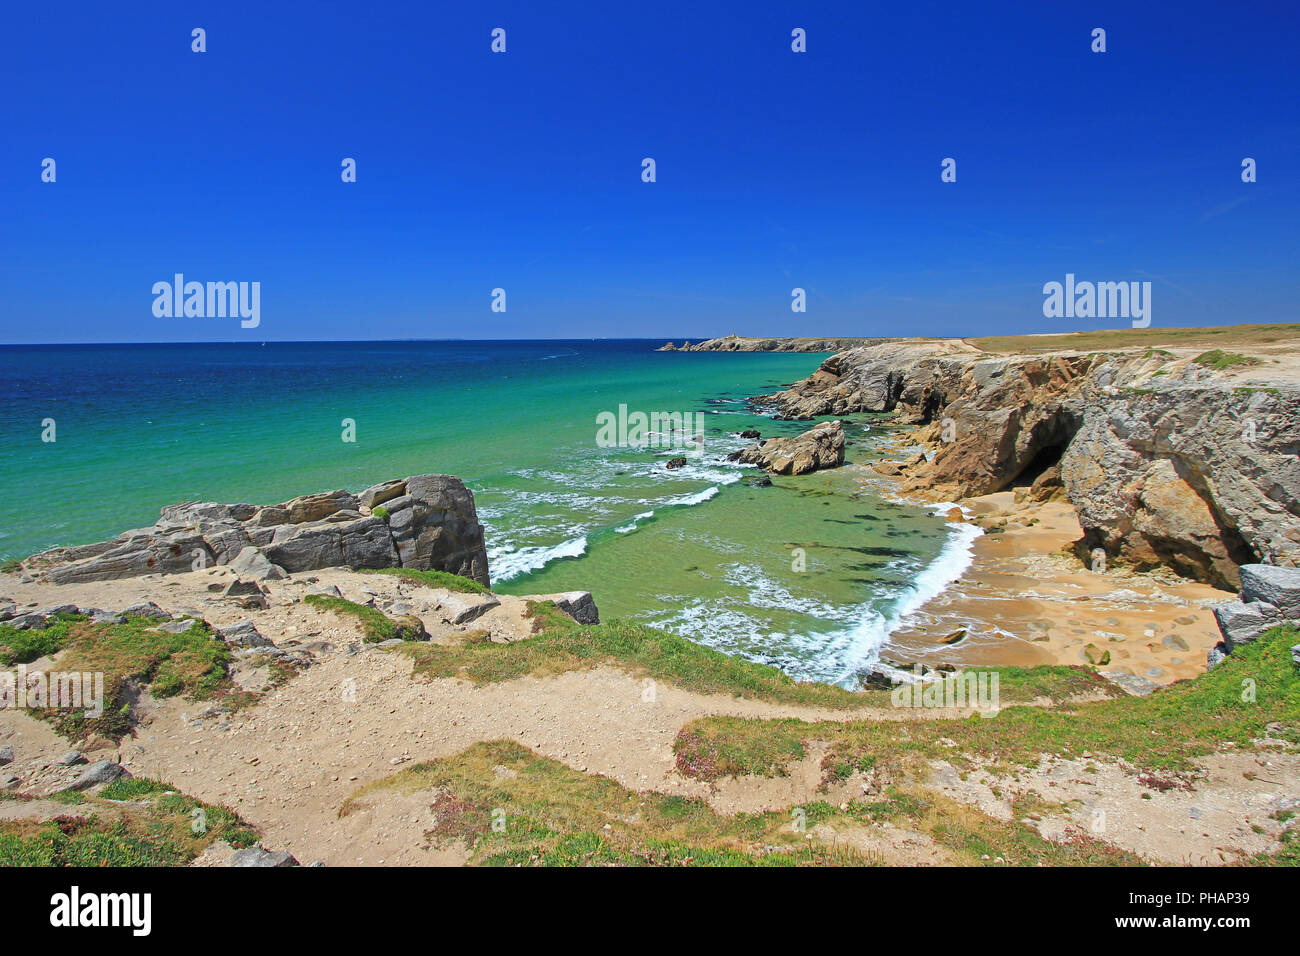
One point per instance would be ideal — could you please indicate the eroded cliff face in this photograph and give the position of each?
(1166, 461)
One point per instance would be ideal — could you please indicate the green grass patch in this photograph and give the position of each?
(561, 645)
(507, 806)
(432, 579)
(23, 647)
(160, 827)
(1219, 359)
(130, 656)
(1229, 705)
(375, 625)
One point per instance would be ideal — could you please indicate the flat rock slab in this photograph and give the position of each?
(105, 771)
(460, 608)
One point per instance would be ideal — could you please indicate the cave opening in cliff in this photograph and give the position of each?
(1048, 440)
(1043, 459)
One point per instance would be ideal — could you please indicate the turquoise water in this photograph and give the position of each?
(809, 574)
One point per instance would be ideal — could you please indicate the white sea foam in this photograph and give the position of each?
(632, 525)
(698, 498)
(860, 643)
(507, 563)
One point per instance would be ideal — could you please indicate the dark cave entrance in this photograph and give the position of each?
(1048, 440)
(1043, 459)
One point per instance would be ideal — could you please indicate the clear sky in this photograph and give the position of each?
(522, 170)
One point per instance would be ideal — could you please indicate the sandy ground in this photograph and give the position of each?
(1023, 602)
(357, 715)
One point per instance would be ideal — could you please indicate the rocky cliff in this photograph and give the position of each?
(426, 522)
(1180, 458)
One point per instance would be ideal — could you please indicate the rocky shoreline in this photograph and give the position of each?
(424, 522)
(737, 343)
(1168, 459)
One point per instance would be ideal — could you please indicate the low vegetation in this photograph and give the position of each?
(1216, 336)
(130, 656)
(560, 644)
(131, 822)
(1219, 359)
(376, 626)
(433, 579)
(1254, 693)
(507, 806)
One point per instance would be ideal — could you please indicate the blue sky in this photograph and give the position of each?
(522, 170)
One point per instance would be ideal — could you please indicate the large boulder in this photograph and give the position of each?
(1273, 585)
(252, 563)
(820, 447)
(431, 524)
(1241, 623)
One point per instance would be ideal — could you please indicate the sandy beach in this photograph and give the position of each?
(1026, 600)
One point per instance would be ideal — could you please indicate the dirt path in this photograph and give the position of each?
(357, 715)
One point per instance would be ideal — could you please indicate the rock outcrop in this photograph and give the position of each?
(819, 447)
(428, 522)
(1269, 596)
(739, 343)
(1167, 461)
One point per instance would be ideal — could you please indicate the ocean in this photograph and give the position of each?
(809, 574)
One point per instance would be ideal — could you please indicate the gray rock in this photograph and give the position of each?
(328, 590)
(72, 758)
(103, 771)
(6, 755)
(243, 634)
(227, 543)
(579, 605)
(11, 782)
(1216, 655)
(27, 622)
(376, 495)
(247, 594)
(1273, 585)
(1241, 623)
(432, 524)
(461, 608)
(177, 627)
(146, 609)
(256, 856)
(8, 609)
(820, 447)
(1295, 653)
(316, 507)
(1131, 683)
(61, 609)
(252, 563)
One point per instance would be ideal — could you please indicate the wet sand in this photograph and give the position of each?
(1025, 600)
